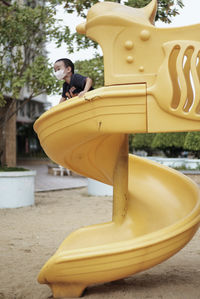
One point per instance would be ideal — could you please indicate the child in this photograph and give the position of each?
(74, 84)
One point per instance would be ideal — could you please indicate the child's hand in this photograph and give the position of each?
(81, 94)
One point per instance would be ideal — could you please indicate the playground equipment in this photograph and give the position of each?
(152, 84)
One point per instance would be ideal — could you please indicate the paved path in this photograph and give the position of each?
(49, 182)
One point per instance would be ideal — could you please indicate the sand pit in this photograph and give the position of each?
(29, 236)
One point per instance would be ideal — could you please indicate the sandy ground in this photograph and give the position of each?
(29, 236)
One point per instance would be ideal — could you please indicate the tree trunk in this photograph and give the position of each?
(8, 135)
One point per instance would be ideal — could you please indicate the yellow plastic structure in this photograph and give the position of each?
(152, 79)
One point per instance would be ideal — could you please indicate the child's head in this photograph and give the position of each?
(63, 67)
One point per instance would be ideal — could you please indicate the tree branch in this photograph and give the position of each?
(5, 3)
(2, 120)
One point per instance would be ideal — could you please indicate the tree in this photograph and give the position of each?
(192, 143)
(23, 63)
(166, 9)
(171, 143)
(92, 68)
(143, 142)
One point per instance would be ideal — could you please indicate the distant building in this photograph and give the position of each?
(27, 141)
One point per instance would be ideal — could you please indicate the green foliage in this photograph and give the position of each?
(130, 141)
(171, 143)
(143, 142)
(80, 6)
(166, 9)
(92, 68)
(192, 143)
(5, 168)
(23, 33)
(74, 41)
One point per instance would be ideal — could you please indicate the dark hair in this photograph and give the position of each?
(67, 63)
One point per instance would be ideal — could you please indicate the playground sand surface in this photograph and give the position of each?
(30, 235)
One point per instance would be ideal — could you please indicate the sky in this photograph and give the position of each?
(190, 14)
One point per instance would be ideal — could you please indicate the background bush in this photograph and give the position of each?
(171, 144)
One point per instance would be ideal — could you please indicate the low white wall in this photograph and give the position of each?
(17, 188)
(177, 162)
(97, 188)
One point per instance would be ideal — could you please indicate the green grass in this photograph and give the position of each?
(183, 167)
(5, 168)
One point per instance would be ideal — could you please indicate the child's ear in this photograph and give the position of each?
(69, 69)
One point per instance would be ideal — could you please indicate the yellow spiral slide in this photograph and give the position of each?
(156, 210)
